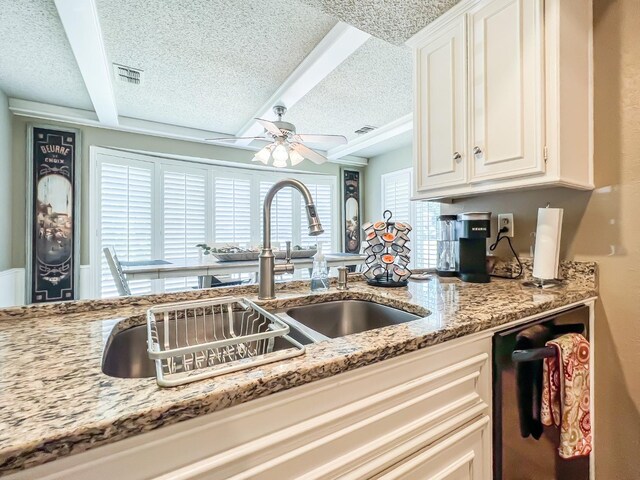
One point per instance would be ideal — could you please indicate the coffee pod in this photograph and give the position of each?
(373, 238)
(399, 227)
(400, 274)
(379, 248)
(388, 239)
(402, 260)
(367, 227)
(369, 250)
(405, 251)
(405, 226)
(387, 261)
(380, 227)
(401, 239)
(399, 249)
(373, 272)
(371, 259)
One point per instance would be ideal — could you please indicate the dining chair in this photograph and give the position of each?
(116, 271)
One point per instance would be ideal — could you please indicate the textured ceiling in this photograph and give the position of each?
(36, 61)
(207, 64)
(403, 140)
(372, 87)
(392, 20)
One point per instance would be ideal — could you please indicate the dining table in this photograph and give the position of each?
(159, 269)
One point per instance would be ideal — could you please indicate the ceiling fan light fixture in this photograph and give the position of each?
(295, 157)
(264, 155)
(279, 164)
(280, 155)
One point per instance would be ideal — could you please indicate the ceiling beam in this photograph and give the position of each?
(374, 137)
(75, 116)
(82, 26)
(336, 46)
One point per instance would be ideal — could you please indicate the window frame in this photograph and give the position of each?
(212, 169)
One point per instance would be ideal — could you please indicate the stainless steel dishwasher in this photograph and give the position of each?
(516, 457)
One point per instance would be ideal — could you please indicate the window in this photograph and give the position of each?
(155, 208)
(281, 213)
(183, 219)
(322, 196)
(126, 217)
(422, 216)
(232, 200)
(396, 194)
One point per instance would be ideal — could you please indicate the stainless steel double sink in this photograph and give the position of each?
(125, 353)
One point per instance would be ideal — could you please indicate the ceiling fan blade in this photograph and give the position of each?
(326, 139)
(270, 127)
(233, 139)
(306, 152)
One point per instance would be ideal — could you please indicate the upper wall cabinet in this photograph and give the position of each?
(503, 98)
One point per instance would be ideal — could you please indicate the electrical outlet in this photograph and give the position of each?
(505, 220)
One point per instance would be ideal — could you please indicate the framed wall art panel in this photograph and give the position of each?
(53, 214)
(351, 211)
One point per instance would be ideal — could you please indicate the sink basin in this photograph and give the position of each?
(125, 353)
(344, 317)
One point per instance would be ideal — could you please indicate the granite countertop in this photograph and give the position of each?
(55, 400)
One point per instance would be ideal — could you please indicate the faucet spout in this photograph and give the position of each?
(267, 267)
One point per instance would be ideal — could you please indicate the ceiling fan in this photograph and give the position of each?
(285, 145)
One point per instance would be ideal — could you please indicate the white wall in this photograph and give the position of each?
(6, 181)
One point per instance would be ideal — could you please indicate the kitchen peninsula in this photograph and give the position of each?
(57, 402)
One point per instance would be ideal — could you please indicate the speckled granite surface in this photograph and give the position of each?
(55, 400)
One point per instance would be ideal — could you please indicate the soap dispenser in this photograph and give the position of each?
(320, 273)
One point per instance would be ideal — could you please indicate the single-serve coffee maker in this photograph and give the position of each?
(473, 230)
(462, 246)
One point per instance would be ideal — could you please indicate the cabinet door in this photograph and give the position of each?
(464, 455)
(440, 133)
(506, 78)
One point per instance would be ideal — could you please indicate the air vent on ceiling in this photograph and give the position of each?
(365, 129)
(128, 74)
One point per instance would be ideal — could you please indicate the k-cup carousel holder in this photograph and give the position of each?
(388, 252)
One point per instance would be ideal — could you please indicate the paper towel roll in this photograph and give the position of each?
(547, 253)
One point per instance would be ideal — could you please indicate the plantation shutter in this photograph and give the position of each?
(281, 213)
(396, 192)
(232, 198)
(126, 215)
(323, 199)
(425, 248)
(422, 216)
(183, 220)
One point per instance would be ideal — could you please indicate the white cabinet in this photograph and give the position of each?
(464, 455)
(426, 407)
(442, 97)
(506, 89)
(507, 85)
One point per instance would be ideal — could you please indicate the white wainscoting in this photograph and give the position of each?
(13, 286)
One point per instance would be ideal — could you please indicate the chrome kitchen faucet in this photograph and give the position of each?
(268, 268)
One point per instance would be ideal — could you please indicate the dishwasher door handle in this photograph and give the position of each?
(534, 354)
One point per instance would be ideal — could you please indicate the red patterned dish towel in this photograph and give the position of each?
(566, 399)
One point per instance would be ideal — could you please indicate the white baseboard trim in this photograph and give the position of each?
(13, 286)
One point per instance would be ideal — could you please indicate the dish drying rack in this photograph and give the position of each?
(388, 253)
(191, 341)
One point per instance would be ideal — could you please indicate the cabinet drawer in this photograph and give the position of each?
(464, 455)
